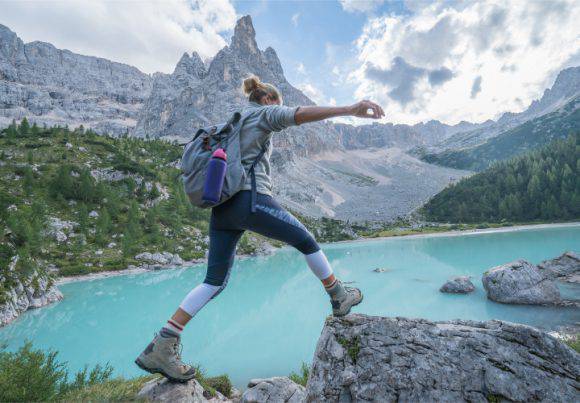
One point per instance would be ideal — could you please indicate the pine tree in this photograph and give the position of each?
(24, 127)
(28, 182)
(83, 218)
(103, 227)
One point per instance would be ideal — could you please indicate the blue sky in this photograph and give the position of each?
(317, 35)
(450, 60)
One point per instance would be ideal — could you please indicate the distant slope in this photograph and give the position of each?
(566, 87)
(528, 136)
(543, 184)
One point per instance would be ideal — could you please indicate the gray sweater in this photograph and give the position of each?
(260, 121)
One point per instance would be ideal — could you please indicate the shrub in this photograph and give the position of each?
(301, 378)
(221, 383)
(33, 375)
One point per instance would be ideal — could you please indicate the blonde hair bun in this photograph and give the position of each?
(250, 84)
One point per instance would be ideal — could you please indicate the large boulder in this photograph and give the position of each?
(277, 389)
(565, 267)
(520, 282)
(365, 358)
(458, 285)
(161, 390)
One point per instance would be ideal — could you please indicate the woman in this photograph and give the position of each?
(263, 115)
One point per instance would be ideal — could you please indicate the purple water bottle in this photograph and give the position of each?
(214, 176)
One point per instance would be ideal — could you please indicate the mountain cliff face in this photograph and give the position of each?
(57, 87)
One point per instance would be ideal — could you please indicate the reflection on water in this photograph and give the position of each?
(268, 320)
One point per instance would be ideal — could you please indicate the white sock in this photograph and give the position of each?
(319, 265)
(173, 327)
(198, 297)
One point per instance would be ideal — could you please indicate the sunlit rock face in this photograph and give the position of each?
(53, 86)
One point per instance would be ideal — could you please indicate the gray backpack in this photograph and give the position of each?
(197, 155)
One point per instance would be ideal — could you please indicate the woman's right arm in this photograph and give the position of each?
(362, 109)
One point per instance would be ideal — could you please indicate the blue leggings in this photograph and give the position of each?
(229, 221)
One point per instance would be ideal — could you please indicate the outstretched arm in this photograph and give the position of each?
(362, 109)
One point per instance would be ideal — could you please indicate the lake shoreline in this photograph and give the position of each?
(189, 264)
(452, 233)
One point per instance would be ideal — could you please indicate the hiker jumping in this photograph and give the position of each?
(259, 213)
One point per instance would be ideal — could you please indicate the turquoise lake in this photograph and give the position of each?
(268, 320)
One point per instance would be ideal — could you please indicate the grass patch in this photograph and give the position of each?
(352, 347)
(118, 389)
(301, 378)
(574, 343)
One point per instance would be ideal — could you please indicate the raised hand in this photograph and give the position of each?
(367, 109)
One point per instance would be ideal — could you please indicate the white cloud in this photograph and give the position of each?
(432, 63)
(360, 6)
(295, 18)
(313, 93)
(151, 35)
(300, 68)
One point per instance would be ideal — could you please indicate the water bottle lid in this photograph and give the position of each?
(220, 153)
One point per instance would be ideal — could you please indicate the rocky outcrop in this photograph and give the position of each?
(277, 389)
(26, 292)
(564, 268)
(458, 285)
(520, 282)
(161, 390)
(54, 86)
(365, 358)
(160, 260)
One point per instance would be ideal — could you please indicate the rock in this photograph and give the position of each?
(33, 291)
(176, 260)
(381, 270)
(565, 267)
(365, 358)
(458, 285)
(277, 389)
(520, 282)
(160, 260)
(59, 229)
(161, 390)
(93, 214)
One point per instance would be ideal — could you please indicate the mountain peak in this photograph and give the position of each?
(190, 65)
(244, 38)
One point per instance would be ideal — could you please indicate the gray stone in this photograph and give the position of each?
(520, 282)
(34, 291)
(458, 285)
(277, 389)
(565, 267)
(161, 390)
(365, 358)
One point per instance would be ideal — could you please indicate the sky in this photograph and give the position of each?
(421, 60)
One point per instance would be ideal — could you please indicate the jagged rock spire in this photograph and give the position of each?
(190, 65)
(244, 38)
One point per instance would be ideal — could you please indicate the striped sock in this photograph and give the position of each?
(172, 327)
(335, 290)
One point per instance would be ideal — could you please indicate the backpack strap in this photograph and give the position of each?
(253, 178)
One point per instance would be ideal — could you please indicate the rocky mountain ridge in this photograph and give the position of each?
(58, 87)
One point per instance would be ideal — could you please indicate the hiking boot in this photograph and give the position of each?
(163, 356)
(350, 297)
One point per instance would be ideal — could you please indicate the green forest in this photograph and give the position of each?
(540, 185)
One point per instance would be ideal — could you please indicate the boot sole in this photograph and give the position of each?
(161, 372)
(361, 300)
